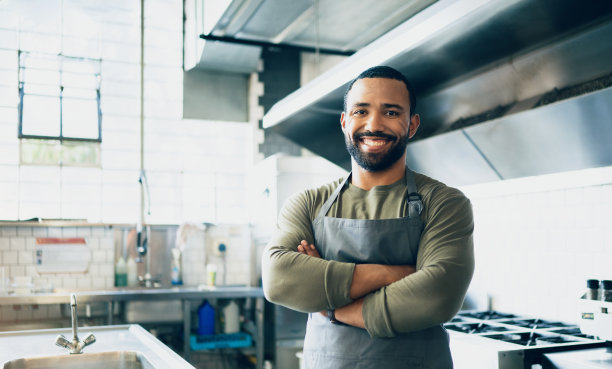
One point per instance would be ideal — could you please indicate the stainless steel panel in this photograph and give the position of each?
(450, 158)
(567, 135)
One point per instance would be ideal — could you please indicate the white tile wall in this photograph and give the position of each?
(189, 152)
(17, 256)
(537, 240)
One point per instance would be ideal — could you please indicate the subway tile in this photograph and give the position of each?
(5, 244)
(26, 257)
(54, 232)
(107, 243)
(98, 231)
(109, 282)
(17, 271)
(40, 232)
(84, 283)
(93, 243)
(30, 243)
(98, 256)
(8, 231)
(106, 271)
(18, 243)
(24, 231)
(83, 232)
(9, 257)
(98, 282)
(94, 270)
(69, 283)
(69, 232)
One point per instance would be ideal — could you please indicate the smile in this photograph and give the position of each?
(374, 141)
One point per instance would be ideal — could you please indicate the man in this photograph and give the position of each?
(385, 254)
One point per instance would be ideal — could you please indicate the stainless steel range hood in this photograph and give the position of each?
(492, 60)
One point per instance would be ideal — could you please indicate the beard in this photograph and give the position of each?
(376, 162)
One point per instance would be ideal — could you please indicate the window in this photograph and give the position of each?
(60, 120)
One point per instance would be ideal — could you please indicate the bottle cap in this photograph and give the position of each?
(593, 283)
(606, 284)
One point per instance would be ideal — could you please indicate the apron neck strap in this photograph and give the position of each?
(415, 204)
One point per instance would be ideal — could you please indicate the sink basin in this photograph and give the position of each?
(99, 360)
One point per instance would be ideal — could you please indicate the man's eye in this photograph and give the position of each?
(359, 112)
(393, 113)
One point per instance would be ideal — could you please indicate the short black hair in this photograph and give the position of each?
(383, 71)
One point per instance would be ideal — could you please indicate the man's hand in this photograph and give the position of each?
(306, 249)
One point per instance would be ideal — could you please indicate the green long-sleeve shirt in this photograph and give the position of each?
(430, 296)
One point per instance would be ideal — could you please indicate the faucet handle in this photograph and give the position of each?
(62, 341)
(89, 339)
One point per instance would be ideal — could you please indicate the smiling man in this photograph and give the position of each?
(380, 258)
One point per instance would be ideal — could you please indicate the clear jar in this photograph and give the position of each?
(606, 290)
(592, 289)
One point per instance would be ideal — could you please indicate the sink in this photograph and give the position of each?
(116, 347)
(99, 360)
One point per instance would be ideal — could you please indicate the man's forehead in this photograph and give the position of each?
(388, 90)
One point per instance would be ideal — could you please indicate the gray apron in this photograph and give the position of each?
(379, 241)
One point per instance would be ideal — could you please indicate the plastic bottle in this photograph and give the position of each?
(175, 268)
(120, 273)
(132, 272)
(592, 289)
(206, 319)
(231, 318)
(606, 290)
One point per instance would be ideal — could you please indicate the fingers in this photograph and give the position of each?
(306, 249)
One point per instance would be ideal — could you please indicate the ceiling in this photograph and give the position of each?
(326, 25)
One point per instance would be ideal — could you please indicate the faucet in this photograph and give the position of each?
(75, 346)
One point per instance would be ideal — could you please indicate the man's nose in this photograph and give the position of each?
(374, 123)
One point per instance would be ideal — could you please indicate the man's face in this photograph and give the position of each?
(377, 123)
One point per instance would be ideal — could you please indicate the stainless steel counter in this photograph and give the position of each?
(133, 294)
(41, 343)
(185, 294)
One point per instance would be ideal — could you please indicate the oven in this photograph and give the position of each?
(491, 339)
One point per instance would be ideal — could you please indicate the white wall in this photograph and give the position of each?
(196, 169)
(537, 240)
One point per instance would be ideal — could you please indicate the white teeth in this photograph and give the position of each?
(374, 142)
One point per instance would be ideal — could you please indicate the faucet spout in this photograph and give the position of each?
(74, 346)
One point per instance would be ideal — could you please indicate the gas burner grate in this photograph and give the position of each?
(475, 328)
(531, 339)
(536, 323)
(486, 315)
(575, 332)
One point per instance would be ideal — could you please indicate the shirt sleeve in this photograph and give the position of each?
(445, 264)
(297, 281)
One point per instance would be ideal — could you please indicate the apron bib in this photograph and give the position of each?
(377, 241)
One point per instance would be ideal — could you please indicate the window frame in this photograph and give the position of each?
(60, 137)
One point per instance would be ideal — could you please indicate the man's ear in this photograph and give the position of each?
(415, 121)
(342, 121)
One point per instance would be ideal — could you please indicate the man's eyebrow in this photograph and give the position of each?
(393, 106)
(360, 105)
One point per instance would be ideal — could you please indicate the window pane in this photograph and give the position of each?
(46, 90)
(40, 115)
(79, 80)
(40, 152)
(39, 76)
(81, 153)
(80, 118)
(85, 93)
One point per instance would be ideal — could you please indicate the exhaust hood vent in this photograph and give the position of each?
(505, 89)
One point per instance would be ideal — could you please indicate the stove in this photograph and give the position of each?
(492, 339)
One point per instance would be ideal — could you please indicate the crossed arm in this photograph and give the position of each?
(380, 298)
(366, 278)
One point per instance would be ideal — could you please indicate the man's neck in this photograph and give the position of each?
(366, 180)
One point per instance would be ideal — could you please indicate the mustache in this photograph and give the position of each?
(361, 135)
